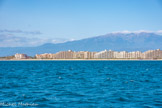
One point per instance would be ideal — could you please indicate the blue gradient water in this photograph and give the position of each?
(82, 84)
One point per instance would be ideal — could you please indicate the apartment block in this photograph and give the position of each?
(64, 55)
(21, 56)
(106, 54)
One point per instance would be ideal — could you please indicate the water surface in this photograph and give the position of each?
(82, 83)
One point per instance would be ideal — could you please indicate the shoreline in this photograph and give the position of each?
(80, 59)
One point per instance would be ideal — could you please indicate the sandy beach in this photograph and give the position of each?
(80, 59)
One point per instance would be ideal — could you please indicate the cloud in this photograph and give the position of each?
(9, 40)
(159, 32)
(139, 31)
(60, 40)
(20, 31)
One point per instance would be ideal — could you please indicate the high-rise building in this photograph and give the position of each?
(65, 55)
(104, 54)
(45, 56)
(152, 54)
(120, 55)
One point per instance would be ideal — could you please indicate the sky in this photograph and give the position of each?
(35, 22)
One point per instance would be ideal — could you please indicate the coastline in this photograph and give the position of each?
(80, 59)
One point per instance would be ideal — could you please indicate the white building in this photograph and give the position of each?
(122, 54)
(104, 54)
(21, 56)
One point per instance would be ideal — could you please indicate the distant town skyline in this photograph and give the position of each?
(34, 22)
(106, 54)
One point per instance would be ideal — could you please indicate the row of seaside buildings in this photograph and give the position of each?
(106, 54)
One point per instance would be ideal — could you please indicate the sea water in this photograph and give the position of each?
(101, 84)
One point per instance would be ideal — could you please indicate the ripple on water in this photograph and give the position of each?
(82, 83)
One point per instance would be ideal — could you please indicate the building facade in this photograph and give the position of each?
(45, 56)
(64, 55)
(21, 56)
(106, 54)
(152, 54)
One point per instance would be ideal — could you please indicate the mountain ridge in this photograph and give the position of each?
(114, 41)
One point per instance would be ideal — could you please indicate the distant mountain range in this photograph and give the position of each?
(114, 41)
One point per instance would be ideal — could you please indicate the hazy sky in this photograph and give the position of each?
(63, 20)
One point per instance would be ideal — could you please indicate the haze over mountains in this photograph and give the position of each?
(141, 41)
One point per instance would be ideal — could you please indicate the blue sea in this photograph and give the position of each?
(81, 84)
